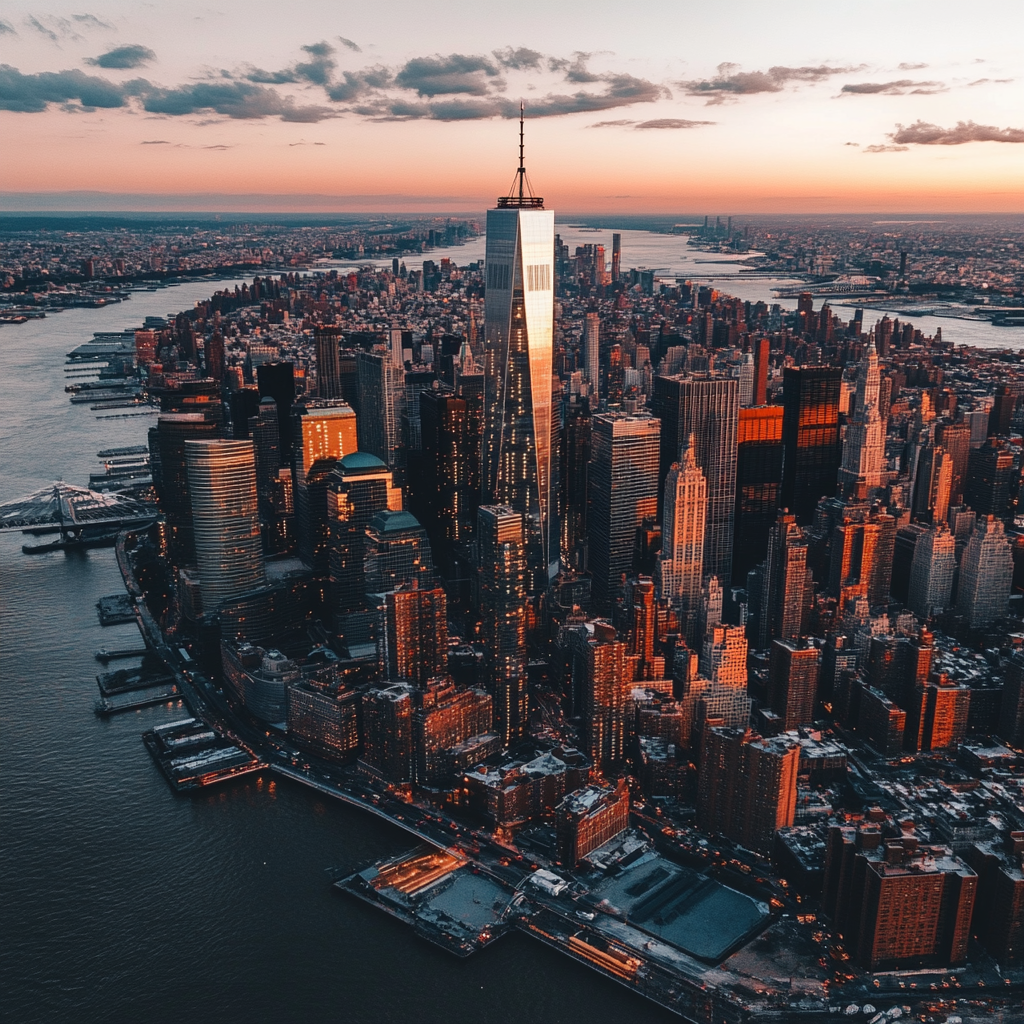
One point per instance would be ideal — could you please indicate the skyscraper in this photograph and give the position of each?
(381, 404)
(616, 257)
(708, 409)
(810, 437)
(518, 326)
(277, 381)
(986, 574)
(785, 580)
(328, 361)
(864, 450)
(758, 485)
(681, 567)
(931, 572)
(225, 516)
(623, 492)
(397, 554)
(592, 351)
(793, 682)
(501, 578)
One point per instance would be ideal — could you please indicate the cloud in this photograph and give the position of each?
(6, 28)
(621, 123)
(442, 76)
(901, 87)
(154, 142)
(354, 84)
(920, 133)
(994, 81)
(906, 66)
(885, 149)
(355, 47)
(218, 147)
(121, 57)
(518, 58)
(319, 69)
(90, 21)
(730, 82)
(239, 100)
(30, 94)
(41, 28)
(575, 70)
(671, 122)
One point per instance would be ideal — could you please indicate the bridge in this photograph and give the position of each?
(71, 511)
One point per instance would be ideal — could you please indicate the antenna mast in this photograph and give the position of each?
(521, 196)
(522, 166)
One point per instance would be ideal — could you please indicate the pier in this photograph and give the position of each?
(103, 655)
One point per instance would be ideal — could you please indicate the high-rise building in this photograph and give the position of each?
(381, 404)
(986, 574)
(681, 567)
(589, 818)
(501, 582)
(610, 673)
(758, 485)
(746, 789)
(518, 359)
(999, 908)
(810, 436)
(762, 357)
(708, 409)
(793, 672)
(574, 453)
(328, 361)
(724, 656)
(396, 554)
(861, 552)
(933, 484)
(277, 381)
(864, 449)
(360, 487)
(898, 904)
(746, 379)
(990, 479)
(387, 731)
(616, 257)
(785, 583)
(448, 483)
(623, 492)
(592, 351)
(414, 637)
(1011, 711)
(225, 516)
(955, 438)
(931, 572)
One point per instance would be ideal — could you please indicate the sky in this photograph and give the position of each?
(731, 106)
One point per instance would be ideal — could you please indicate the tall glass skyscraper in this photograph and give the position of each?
(519, 319)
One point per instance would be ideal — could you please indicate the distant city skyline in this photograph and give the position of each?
(796, 108)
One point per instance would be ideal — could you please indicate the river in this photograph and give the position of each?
(122, 901)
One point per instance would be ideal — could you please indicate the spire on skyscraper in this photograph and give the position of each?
(521, 194)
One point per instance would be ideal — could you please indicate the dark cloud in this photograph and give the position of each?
(90, 21)
(238, 100)
(121, 57)
(41, 28)
(901, 87)
(218, 147)
(319, 69)
(671, 122)
(518, 58)
(905, 66)
(730, 82)
(355, 47)
(355, 84)
(30, 94)
(923, 134)
(443, 76)
(575, 70)
(6, 27)
(885, 149)
(621, 123)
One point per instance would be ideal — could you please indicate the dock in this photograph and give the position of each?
(192, 755)
(137, 699)
(103, 655)
(116, 609)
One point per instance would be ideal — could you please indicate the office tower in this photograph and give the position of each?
(448, 484)
(810, 436)
(266, 439)
(880, 721)
(898, 904)
(681, 567)
(244, 404)
(396, 349)
(746, 379)
(414, 641)
(746, 790)
(361, 486)
(623, 492)
(785, 584)
(758, 485)
(1004, 406)
(225, 516)
(711, 602)
(501, 578)
(170, 474)
(860, 556)
(955, 438)
(931, 572)
(325, 719)
(518, 325)
(277, 381)
(589, 818)
(1011, 711)
(396, 554)
(986, 574)
(610, 673)
(213, 353)
(793, 682)
(381, 404)
(592, 351)
(616, 257)
(864, 449)
(937, 715)
(323, 435)
(707, 408)
(574, 453)
(762, 357)
(724, 656)
(990, 477)
(904, 547)
(932, 486)
(328, 361)
(998, 920)
(387, 732)
(640, 621)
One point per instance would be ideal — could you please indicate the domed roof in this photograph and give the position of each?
(361, 460)
(393, 520)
